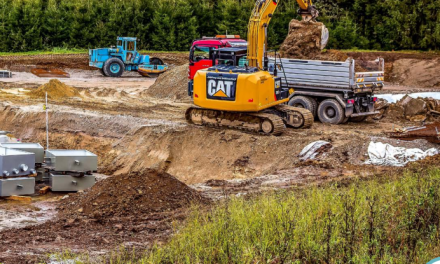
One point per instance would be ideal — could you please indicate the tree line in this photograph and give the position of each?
(172, 24)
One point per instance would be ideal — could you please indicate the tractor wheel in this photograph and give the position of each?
(156, 61)
(102, 72)
(330, 111)
(113, 67)
(304, 102)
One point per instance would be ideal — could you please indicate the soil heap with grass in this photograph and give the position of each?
(55, 90)
(134, 194)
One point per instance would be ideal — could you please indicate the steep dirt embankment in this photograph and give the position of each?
(192, 154)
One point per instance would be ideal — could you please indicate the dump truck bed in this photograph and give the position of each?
(328, 75)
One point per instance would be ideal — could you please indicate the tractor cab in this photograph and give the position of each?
(126, 49)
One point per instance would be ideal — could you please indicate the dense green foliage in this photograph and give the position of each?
(396, 221)
(173, 24)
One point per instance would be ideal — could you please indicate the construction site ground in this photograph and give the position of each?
(132, 129)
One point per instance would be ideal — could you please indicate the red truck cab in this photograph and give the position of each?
(200, 55)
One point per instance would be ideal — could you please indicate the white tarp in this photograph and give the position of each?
(312, 150)
(387, 155)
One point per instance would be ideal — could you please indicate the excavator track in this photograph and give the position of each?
(295, 117)
(261, 123)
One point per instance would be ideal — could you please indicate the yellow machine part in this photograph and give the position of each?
(256, 91)
(258, 23)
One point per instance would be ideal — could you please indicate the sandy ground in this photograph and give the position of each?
(131, 131)
(83, 79)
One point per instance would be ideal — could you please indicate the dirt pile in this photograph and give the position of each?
(134, 194)
(133, 209)
(414, 72)
(303, 40)
(55, 90)
(173, 84)
(412, 109)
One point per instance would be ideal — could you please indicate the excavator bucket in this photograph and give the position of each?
(309, 13)
(56, 73)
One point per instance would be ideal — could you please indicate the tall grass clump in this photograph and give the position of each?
(378, 221)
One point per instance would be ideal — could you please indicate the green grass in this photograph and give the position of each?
(434, 52)
(386, 220)
(46, 52)
(367, 222)
(57, 51)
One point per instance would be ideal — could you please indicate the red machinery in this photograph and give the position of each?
(200, 56)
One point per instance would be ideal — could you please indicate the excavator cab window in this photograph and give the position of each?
(199, 53)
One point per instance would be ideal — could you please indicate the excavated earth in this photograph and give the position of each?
(141, 138)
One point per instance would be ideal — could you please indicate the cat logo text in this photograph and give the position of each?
(221, 86)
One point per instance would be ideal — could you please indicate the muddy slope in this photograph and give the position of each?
(193, 154)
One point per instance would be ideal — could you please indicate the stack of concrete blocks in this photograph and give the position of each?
(23, 164)
(35, 148)
(17, 171)
(71, 170)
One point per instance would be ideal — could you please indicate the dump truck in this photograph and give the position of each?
(333, 91)
(113, 61)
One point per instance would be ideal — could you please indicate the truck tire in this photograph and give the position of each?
(358, 119)
(102, 72)
(330, 111)
(113, 67)
(304, 102)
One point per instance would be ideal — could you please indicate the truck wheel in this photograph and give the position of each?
(358, 119)
(315, 106)
(113, 67)
(304, 102)
(330, 111)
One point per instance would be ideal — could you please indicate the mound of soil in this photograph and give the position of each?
(303, 40)
(134, 194)
(55, 90)
(418, 73)
(135, 209)
(172, 84)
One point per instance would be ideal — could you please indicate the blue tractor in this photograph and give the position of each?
(113, 61)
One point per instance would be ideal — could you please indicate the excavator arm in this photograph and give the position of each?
(257, 31)
(257, 28)
(307, 10)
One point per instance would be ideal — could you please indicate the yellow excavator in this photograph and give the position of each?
(248, 98)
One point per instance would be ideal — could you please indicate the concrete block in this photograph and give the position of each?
(16, 162)
(71, 160)
(17, 186)
(35, 148)
(68, 183)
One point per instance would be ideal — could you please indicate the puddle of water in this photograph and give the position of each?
(393, 98)
(19, 215)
